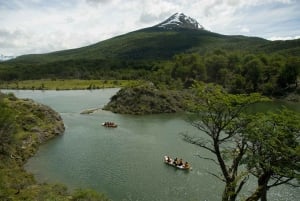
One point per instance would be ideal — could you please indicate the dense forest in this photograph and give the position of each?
(270, 74)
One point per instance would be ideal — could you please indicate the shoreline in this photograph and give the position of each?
(35, 124)
(73, 84)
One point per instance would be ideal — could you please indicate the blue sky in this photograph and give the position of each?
(40, 26)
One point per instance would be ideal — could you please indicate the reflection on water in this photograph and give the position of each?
(126, 162)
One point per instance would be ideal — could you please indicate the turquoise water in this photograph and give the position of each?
(126, 163)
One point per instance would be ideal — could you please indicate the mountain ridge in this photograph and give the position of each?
(162, 43)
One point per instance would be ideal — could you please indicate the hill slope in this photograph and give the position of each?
(151, 43)
(138, 50)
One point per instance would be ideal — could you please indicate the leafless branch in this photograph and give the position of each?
(217, 176)
(210, 159)
(279, 181)
(242, 184)
(196, 141)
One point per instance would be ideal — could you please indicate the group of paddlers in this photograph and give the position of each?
(108, 123)
(177, 162)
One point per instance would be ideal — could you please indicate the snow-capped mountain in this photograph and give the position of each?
(180, 20)
(5, 58)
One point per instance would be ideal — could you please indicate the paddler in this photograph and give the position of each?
(186, 165)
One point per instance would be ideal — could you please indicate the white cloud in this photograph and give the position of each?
(245, 30)
(284, 38)
(36, 26)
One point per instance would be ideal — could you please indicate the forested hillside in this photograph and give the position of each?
(171, 58)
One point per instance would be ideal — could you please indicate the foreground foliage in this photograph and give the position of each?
(268, 143)
(273, 154)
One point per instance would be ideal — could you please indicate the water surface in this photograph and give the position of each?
(126, 163)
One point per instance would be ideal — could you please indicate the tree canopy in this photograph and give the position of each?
(268, 144)
(273, 154)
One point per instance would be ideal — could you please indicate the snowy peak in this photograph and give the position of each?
(180, 20)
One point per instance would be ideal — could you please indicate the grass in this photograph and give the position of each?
(72, 84)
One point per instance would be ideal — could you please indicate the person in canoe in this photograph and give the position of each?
(186, 165)
(180, 163)
(175, 161)
(109, 124)
(168, 159)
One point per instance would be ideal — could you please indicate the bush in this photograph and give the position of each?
(11, 96)
(88, 195)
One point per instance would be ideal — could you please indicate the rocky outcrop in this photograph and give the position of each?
(90, 111)
(36, 124)
(148, 100)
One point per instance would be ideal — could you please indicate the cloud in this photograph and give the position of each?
(245, 30)
(96, 2)
(147, 17)
(284, 38)
(12, 39)
(38, 26)
(152, 12)
(150, 18)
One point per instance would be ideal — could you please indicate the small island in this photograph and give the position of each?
(147, 99)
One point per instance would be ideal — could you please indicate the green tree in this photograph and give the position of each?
(221, 117)
(237, 84)
(253, 73)
(290, 72)
(273, 154)
(188, 67)
(214, 64)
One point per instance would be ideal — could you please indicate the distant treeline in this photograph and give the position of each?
(270, 74)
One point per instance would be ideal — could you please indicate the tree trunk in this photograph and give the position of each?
(229, 193)
(261, 190)
(264, 195)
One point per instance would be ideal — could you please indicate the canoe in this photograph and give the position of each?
(182, 167)
(113, 125)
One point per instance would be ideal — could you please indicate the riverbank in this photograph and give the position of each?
(74, 84)
(25, 125)
(292, 97)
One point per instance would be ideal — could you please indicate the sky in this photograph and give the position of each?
(41, 26)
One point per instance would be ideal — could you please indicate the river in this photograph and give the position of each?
(126, 163)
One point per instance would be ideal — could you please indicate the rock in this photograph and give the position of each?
(147, 100)
(89, 111)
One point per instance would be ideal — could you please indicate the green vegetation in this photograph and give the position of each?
(268, 144)
(68, 84)
(169, 62)
(273, 150)
(169, 58)
(24, 125)
(271, 75)
(147, 99)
